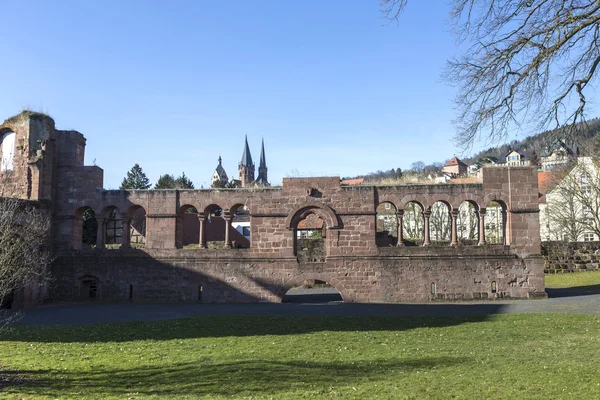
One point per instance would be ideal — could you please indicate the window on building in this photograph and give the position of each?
(7, 150)
(588, 237)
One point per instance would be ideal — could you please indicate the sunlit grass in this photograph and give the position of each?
(576, 279)
(530, 356)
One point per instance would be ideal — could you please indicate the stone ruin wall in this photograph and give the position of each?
(353, 264)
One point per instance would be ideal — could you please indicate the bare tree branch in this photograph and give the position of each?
(527, 62)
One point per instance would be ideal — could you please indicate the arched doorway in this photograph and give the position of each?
(312, 291)
(310, 238)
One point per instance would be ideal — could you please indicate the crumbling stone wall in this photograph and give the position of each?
(351, 262)
(570, 256)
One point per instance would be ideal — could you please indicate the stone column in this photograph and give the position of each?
(100, 233)
(453, 228)
(125, 238)
(503, 214)
(202, 238)
(481, 217)
(400, 216)
(426, 237)
(228, 218)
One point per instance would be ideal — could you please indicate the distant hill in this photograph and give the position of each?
(540, 143)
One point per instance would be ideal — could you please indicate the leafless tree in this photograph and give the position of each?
(24, 248)
(525, 62)
(573, 205)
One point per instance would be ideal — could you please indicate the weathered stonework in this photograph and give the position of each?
(562, 257)
(353, 264)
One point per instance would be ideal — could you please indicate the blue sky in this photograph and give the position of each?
(332, 88)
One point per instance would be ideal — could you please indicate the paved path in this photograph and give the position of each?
(569, 301)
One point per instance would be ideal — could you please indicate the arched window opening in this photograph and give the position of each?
(312, 291)
(494, 223)
(310, 243)
(190, 227)
(7, 151)
(113, 231)
(137, 228)
(215, 227)
(89, 231)
(413, 224)
(467, 224)
(386, 225)
(88, 288)
(241, 225)
(440, 223)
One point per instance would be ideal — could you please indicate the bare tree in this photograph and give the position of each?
(573, 205)
(24, 248)
(525, 61)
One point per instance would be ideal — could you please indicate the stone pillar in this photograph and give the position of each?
(228, 218)
(426, 237)
(481, 217)
(100, 233)
(453, 228)
(202, 238)
(503, 214)
(400, 230)
(125, 238)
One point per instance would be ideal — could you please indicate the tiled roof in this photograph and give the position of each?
(454, 161)
(545, 180)
(357, 181)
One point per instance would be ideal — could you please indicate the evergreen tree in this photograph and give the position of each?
(136, 179)
(168, 181)
(183, 182)
(165, 181)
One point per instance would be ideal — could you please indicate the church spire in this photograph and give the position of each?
(263, 162)
(262, 168)
(246, 156)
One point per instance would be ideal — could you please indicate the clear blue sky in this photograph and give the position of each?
(332, 88)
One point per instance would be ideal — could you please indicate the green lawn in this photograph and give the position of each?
(537, 356)
(575, 279)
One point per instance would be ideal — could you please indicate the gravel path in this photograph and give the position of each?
(570, 301)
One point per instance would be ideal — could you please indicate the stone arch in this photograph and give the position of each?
(320, 209)
(467, 222)
(474, 199)
(85, 229)
(389, 198)
(214, 226)
(440, 221)
(298, 279)
(135, 223)
(240, 225)
(112, 225)
(413, 223)
(495, 222)
(88, 288)
(413, 198)
(188, 226)
(386, 225)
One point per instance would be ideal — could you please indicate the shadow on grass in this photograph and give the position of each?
(222, 326)
(211, 378)
(573, 291)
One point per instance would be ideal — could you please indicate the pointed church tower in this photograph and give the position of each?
(262, 167)
(246, 167)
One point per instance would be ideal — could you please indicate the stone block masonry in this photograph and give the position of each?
(352, 262)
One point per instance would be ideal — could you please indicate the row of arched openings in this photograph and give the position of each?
(211, 229)
(408, 226)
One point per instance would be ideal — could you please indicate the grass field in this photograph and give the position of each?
(531, 356)
(577, 279)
